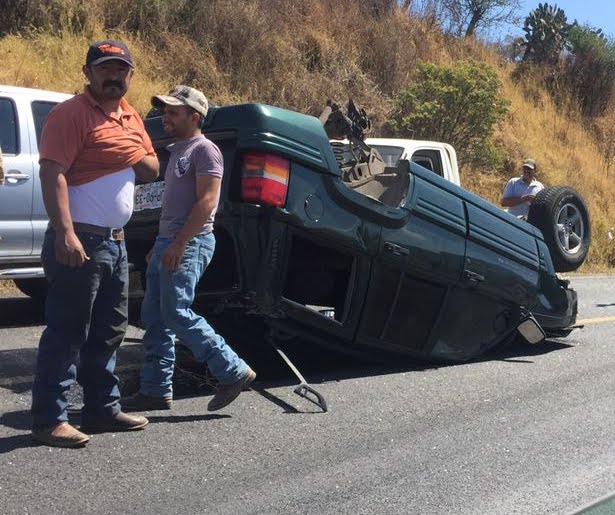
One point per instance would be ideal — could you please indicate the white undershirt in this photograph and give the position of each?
(106, 202)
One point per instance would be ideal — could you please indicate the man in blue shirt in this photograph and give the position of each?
(520, 192)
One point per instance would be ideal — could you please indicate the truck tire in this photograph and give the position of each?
(561, 215)
(36, 289)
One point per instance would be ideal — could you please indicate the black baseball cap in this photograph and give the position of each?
(106, 50)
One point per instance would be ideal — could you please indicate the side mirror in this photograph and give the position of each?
(531, 331)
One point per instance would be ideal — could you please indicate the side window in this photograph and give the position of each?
(40, 110)
(9, 140)
(390, 155)
(430, 159)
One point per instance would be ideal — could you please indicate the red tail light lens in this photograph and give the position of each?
(264, 179)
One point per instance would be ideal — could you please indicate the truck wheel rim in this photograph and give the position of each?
(570, 229)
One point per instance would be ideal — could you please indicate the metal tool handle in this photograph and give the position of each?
(304, 390)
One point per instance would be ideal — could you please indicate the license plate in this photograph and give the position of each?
(148, 196)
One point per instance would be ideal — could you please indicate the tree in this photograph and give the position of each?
(466, 16)
(459, 105)
(590, 68)
(546, 34)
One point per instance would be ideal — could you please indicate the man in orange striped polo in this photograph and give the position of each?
(92, 148)
(183, 249)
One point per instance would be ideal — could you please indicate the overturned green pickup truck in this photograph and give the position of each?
(402, 260)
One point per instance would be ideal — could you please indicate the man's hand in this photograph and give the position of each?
(69, 250)
(515, 201)
(172, 256)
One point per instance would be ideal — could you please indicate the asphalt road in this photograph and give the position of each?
(529, 431)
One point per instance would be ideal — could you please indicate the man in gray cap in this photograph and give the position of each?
(520, 192)
(183, 249)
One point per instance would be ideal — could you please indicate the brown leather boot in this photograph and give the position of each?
(112, 423)
(60, 435)
(227, 393)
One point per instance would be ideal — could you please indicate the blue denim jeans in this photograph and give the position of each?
(166, 314)
(86, 313)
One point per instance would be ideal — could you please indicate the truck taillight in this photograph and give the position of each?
(264, 179)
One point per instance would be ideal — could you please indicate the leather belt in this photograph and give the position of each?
(108, 232)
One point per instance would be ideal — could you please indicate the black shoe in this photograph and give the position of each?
(141, 402)
(227, 393)
(112, 423)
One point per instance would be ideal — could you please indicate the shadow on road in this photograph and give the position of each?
(317, 364)
(288, 408)
(177, 419)
(16, 419)
(20, 312)
(20, 420)
(518, 349)
(12, 443)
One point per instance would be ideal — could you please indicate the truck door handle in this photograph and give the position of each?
(393, 248)
(473, 278)
(15, 177)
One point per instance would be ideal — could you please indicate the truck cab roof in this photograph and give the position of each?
(38, 94)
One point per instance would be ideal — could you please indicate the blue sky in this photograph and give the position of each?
(597, 13)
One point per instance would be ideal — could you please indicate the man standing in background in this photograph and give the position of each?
(520, 192)
(92, 147)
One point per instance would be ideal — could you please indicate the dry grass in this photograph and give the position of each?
(55, 62)
(291, 54)
(297, 54)
(8, 287)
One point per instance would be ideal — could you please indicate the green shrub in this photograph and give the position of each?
(459, 105)
(590, 69)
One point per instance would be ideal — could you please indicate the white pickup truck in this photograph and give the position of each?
(440, 158)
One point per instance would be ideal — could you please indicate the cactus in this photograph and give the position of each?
(546, 34)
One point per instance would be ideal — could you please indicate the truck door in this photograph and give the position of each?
(17, 189)
(40, 110)
(420, 258)
(500, 273)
